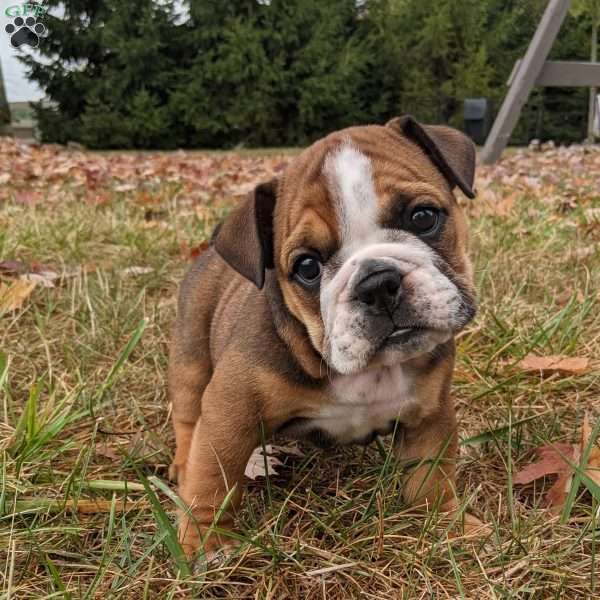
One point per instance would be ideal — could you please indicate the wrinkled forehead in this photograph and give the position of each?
(340, 189)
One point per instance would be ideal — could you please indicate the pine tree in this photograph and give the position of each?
(276, 73)
(109, 71)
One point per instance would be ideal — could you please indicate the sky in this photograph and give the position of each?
(18, 89)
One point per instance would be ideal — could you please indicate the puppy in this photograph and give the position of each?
(326, 308)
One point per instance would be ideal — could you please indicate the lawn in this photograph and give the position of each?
(99, 243)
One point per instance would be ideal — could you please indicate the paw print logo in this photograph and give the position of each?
(25, 32)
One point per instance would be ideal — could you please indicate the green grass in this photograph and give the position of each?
(85, 507)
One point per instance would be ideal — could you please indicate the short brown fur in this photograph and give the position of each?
(245, 360)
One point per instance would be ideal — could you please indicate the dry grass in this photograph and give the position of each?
(86, 440)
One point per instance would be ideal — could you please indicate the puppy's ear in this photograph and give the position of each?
(245, 239)
(451, 151)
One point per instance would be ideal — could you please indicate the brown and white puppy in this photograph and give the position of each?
(327, 308)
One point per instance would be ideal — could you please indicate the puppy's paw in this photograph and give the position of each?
(468, 525)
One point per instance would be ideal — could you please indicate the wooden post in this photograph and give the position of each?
(524, 79)
(593, 89)
(4, 108)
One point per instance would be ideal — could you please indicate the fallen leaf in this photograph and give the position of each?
(556, 459)
(46, 278)
(547, 365)
(191, 252)
(290, 449)
(28, 198)
(256, 465)
(106, 451)
(13, 296)
(552, 461)
(13, 267)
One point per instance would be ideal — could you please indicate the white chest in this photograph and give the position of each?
(365, 403)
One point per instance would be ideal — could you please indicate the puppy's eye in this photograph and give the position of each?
(425, 220)
(307, 269)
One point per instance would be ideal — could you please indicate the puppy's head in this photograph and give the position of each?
(366, 240)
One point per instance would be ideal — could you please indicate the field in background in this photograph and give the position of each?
(85, 506)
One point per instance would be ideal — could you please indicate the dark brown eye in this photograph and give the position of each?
(425, 220)
(307, 269)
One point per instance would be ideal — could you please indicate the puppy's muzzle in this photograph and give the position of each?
(379, 287)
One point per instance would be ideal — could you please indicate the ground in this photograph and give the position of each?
(100, 242)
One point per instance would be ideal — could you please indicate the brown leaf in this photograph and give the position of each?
(551, 462)
(106, 451)
(13, 267)
(556, 496)
(558, 459)
(13, 296)
(547, 365)
(28, 198)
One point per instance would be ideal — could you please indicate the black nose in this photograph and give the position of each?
(380, 290)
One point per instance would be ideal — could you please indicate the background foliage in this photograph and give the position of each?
(284, 72)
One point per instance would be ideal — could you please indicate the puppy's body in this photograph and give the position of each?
(364, 349)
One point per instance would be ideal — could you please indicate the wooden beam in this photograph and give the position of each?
(563, 73)
(569, 74)
(524, 79)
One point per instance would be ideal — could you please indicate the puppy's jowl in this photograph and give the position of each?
(327, 308)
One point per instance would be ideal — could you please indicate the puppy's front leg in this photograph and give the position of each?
(432, 444)
(223, 440)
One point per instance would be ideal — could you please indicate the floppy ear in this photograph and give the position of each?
(451, 151)
(245, 239)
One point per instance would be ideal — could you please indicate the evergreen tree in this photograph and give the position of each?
(437, 48)
(274, 73)
(109, 71)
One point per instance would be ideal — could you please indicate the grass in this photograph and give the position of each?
(85, 507)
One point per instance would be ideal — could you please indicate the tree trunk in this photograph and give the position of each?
(593, 90)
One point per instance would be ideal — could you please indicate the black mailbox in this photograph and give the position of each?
(478, 119)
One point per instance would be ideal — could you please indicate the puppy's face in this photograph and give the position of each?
(369, 249)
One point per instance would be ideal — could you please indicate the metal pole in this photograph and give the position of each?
(525, 79)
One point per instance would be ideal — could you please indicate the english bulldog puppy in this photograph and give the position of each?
(326, 308)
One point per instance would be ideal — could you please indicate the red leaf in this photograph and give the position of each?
(551, 462)
(191, 253)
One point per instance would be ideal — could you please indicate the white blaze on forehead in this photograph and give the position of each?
(350, 177)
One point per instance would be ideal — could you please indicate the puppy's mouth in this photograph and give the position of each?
(401, 335)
